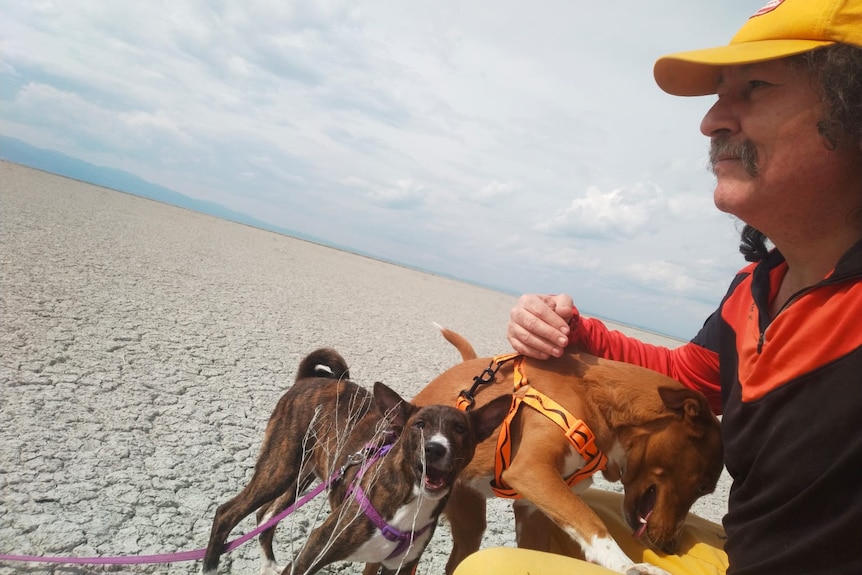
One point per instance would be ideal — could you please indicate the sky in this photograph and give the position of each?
(518, 145)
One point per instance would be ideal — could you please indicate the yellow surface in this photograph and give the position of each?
(700, 553)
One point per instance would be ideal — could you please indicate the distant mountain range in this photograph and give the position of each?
(20, 152)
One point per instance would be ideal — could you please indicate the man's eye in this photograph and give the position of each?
(752, 84)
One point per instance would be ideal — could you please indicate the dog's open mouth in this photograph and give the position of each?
(436, 480)
(644, 509)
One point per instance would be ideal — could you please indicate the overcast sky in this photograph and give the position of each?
(522, 145)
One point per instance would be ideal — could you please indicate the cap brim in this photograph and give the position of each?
(697, 73)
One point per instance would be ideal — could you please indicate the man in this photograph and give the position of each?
(781, 358)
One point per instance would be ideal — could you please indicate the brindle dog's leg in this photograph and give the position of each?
(266, 512)
(340, 534)
(467, 523)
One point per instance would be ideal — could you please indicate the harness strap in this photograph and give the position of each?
(520, 378)
(576, 430)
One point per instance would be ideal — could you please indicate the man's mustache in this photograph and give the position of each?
(744, 151)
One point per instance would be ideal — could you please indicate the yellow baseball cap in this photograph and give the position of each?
(779, 29)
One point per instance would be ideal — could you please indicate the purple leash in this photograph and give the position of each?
(193, 555)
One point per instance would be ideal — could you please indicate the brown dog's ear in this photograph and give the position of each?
(488, 417)
(690, 404)
(393, 406)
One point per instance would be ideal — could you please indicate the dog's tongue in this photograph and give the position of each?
(434, 478)
(645, 509)
(642, 529)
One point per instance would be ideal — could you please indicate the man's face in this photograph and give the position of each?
(771, 163)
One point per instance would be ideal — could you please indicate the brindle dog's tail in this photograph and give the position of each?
(461, 344)
(323, 362)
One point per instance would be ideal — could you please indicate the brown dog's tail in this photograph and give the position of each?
(461, 344)
(323, 362)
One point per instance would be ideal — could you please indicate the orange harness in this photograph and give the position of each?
(577, 432)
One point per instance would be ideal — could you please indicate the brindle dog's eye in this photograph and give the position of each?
(419, 424)
(460, 428)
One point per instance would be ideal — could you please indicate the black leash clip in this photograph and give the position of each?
(467, 399)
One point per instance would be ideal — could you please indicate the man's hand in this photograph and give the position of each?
(539, 325)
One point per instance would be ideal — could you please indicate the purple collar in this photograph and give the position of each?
(403, 538)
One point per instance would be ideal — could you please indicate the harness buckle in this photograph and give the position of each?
(355, 459)
(580, 435)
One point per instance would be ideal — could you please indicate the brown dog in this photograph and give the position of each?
(659, 438)
(384, 508)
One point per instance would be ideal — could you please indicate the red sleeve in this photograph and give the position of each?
(692, 365)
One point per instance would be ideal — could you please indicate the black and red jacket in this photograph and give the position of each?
(790, 393)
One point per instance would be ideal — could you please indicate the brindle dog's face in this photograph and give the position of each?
(444, 442)
(670, 467)
(442, 439)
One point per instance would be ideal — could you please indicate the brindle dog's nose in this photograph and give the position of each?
(434, 450)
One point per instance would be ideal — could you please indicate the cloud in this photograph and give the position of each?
(96, 127)
(699, 280)
(563, 258)
(400, 195)
(494, 193)
(617, 214)
(7, 69)
(483, 135)
(662, 275)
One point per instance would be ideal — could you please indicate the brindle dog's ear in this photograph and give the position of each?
(393, 406)
(690, 404)
(488, 417)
